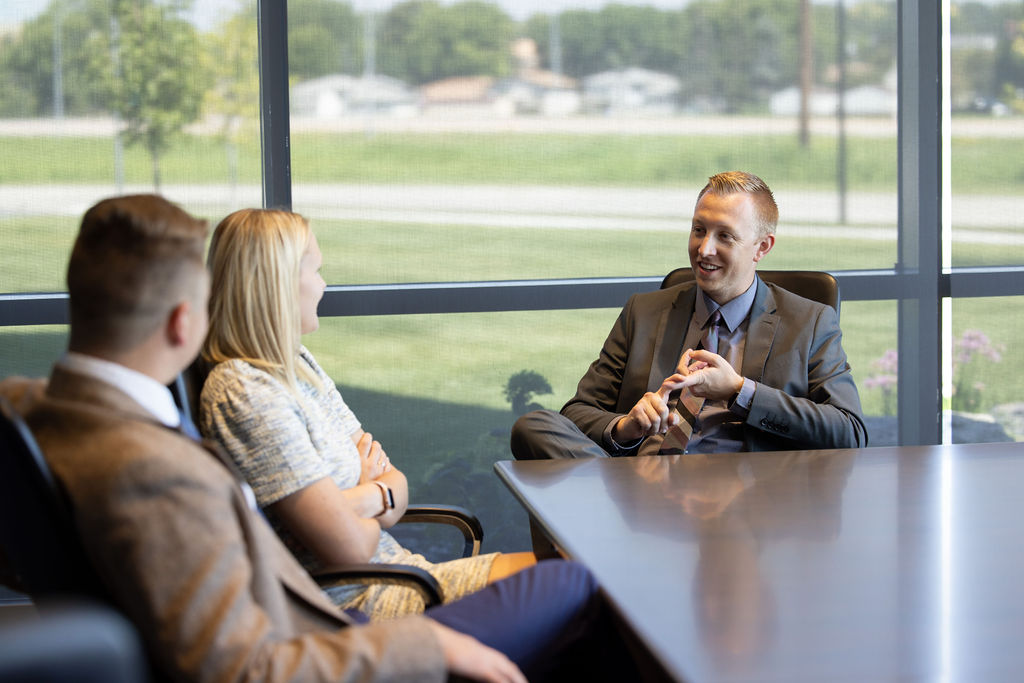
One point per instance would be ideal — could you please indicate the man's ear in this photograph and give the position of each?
(178, 323)
(764, 246)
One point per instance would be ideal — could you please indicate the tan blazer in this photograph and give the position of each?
(214, 593)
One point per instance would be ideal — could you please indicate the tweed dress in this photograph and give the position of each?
(283, 443)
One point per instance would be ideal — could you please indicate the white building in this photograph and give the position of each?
(338, 95)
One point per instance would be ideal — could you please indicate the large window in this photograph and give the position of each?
(534, 163)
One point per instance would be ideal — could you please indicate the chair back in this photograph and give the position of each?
(187, 387)
(811, 284)
(40, 543)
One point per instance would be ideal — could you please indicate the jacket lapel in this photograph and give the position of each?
(669, 337)
(761, 331)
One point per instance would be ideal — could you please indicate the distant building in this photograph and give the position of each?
(866, 100)
(339, 95)
(631, 91)
(533, 91)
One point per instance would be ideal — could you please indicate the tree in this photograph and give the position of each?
(324, 37)
(421, 42)
(157, 79)
(740, 52)
(27, 61)
(520, 390)
(234, 96)
(1009, 67)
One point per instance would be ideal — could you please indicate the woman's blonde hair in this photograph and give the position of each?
(255, 259)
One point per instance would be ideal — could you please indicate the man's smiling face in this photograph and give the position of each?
(725, 245)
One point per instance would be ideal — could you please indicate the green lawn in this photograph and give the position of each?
(981, 165)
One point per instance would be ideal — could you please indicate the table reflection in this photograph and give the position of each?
(730, 505)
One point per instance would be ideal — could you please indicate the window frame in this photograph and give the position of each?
(918, 282)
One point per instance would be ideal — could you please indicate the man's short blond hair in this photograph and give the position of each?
(135, 259)
(731, 182)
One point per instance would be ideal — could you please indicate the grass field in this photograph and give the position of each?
(985, 165)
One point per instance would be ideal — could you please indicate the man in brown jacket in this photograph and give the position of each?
(211, 589)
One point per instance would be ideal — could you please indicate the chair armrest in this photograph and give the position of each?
(453, 515)
(374, 574)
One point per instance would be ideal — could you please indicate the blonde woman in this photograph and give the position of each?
(327, 487)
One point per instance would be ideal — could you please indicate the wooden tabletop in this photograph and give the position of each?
(879, 564)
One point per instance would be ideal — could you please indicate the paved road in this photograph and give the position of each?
(996, 219)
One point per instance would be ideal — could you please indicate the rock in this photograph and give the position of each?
(977, 428)
(1011, 417)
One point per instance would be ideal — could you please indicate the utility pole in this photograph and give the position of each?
(115, 61)
(58, 61)
(841, 108)
(806, 72)
(369, 44)
(555, 38)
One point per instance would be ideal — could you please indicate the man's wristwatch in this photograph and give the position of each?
(387, 495)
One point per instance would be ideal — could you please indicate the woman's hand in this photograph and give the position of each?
(373, 461)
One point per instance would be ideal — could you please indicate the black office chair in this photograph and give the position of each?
(44, 553)
(85, 642)
(810, 284)
(40, 543)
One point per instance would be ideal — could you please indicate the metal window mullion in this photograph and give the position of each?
(920, 214)
(272, 22)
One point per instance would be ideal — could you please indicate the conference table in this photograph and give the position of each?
(879, 564)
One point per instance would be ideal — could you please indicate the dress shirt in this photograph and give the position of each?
(719, 425)
(143, 389)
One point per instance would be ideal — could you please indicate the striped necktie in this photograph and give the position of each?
(686, 405)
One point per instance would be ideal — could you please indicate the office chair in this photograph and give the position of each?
(85, 642)
(810, 284)
(39, 540)
(43, 551)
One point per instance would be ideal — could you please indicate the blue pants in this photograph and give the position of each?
(550, 619)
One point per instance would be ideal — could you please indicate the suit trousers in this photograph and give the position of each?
(550, 619)
(545, 434)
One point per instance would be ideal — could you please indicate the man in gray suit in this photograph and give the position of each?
(176, 541)
(776, 378)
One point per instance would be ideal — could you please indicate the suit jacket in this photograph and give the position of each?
(213, 592)
(805, 396)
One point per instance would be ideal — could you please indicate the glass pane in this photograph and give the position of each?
(499, 138)
(433, 389)
(987, 404)
(31, 351)
(869, 339)
(92, 104)
(987, 161)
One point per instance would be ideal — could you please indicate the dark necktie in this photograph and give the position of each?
(685, 404)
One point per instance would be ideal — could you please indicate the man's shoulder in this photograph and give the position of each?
(659, 298)
(785, 300)
(22, 392)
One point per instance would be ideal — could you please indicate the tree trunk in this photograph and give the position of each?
(154, 155)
